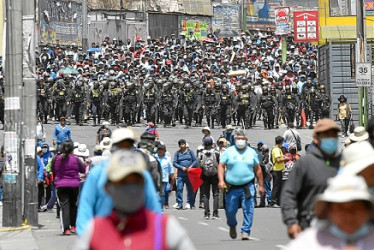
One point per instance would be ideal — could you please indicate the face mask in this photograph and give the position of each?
(240, 144)
(127, 198)
(329, 145)
(350, 238)
(45, 150)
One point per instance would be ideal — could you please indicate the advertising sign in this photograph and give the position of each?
(282, 21)
(306, 27)
(199, 29)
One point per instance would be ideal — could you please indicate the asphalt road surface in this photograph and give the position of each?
(268, 231)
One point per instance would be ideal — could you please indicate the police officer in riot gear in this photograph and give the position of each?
(210, 100)
(129, 103)
(315, 103)
(326, 102)
(150, 101)
(78, 100)
(189, 101)
(96, 100)
(244, 107)
(60, 99)
(267, 103)
(43, 96)
(227, 104)
(167, 104)
(290, 105)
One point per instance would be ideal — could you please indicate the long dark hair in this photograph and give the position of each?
(67, 148)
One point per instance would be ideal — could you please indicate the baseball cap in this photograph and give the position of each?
(356, 157)
(62, 118)
(161, 146)
(123, 163)
(324, 125)
(341, 189)
(208, 140)
(122, 134)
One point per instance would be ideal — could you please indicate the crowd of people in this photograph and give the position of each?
(236, 80)
(325, 196)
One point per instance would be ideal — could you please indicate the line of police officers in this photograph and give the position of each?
(183, 100)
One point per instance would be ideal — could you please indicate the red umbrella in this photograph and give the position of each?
(194, 175)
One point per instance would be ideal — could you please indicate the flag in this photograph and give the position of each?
(194, 175)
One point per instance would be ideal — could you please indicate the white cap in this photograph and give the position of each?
(122, 134)
(106, 143)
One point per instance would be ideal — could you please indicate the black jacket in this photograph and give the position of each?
(307, 179)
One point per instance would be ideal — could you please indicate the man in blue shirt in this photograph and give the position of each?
(61, 133)
(228, 135)
(94, 201)
(184, 159)
(241, 164)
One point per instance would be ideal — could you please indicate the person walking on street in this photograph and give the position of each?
(167, 176)
(242, 166)
(291, 135)
(308, 177)
(266, 168)
(184, 159)
(344, 114)
(278, 159)
(209, 159)
(131, 225)
(61, 133)
(40, 132)
(66, 169)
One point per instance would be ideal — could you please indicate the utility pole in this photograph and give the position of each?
(245, 5)
(28, 132)
(84, 26)
(361, 45)
(13, 172)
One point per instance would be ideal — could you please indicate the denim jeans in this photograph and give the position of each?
(233, 197)
(53, 198)
(181, 180)
(164, 195)
(267, 195)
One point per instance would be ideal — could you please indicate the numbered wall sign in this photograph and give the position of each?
(363, 74)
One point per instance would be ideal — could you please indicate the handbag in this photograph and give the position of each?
(351, 127)
(298, 142)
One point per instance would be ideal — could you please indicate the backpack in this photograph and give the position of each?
(209, 162)
(151, 131)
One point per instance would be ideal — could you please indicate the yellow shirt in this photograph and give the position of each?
(343, 108)
(277, 153)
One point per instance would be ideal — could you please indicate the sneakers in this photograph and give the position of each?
(1, 203)
(73, 230)
(216, 217)
(175, 205)
(245, 237)
(67, 232)
(166, 206)
(233, 232)
(188, 206)
(201, 205)
(275, 206)
(43, 208)
(206, 217)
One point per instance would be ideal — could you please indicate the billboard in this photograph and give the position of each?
(306, 27)
(226, 17)
(282, 21)
(60, 22)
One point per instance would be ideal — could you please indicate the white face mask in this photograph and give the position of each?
(240, 144)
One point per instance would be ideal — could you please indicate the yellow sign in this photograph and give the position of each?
(198, 29)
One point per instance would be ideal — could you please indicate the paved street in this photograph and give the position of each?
(268, 232)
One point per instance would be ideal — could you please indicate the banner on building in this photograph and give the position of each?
(282, 21)
(198, 29)
(306, 27)
(60, 22)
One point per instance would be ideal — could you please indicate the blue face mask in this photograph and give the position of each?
(349, 238)
(329, 145)
(45, 150)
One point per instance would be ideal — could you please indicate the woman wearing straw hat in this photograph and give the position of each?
(343, 211)
(344, 114)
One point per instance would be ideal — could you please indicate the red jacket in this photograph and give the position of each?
(143, 230)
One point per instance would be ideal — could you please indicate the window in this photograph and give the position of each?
(342, 8)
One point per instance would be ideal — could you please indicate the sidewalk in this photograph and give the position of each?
(47, 236)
